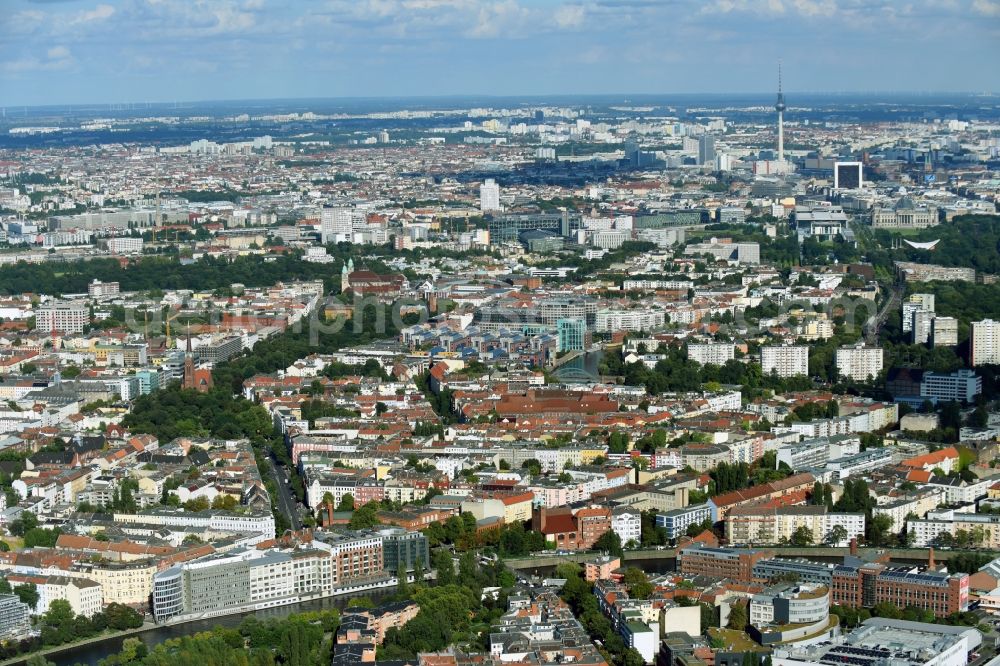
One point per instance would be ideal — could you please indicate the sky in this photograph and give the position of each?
(102, 51)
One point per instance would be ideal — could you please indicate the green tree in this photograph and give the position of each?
(803, 536)
(836, 535)
(402, 584)
(738, 617)
(444, 566)
(27, 593)
(637, 583)
(365, 517)
(611, 543)
(532, 466)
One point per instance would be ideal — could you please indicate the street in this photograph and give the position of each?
(286, 501)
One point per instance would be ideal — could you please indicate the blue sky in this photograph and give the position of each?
(83, 51)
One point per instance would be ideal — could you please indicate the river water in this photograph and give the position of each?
(92, 653)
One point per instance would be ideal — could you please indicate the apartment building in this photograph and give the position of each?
(859, 363)
(715, 353)
(84, 596)
(626, 522)
(62, 316)
(762, 525)
(721, 505)
(944, 332)
(785, 361)
(251, 579)
(983, 527)
(984, 342)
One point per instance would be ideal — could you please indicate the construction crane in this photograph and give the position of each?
(169, 319)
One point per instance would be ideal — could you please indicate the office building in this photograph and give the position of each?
(731, 215)
(804, 571)
(962, 385)
(402, 546)
(817, 452)
(944, 331)
(504, 228)
(859, 363)
(790, 604)
(880, 642)
(125, 245)
(677, 521)
(848, 176)
(14, 617)
(724, 249)
(62, 316)
(869, 584)
(984, 343)
(733, 563)
(336, 225)
(706, 149)
(785, 361)
(572, 334)
(489, 196)
(715, 353)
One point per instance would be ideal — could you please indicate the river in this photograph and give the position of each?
(91, 653)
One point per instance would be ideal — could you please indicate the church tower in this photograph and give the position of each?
(345, 276)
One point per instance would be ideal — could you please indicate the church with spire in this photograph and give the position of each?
(345, 276)
(197, 378)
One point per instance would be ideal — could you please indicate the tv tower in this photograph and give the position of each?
(779, 106)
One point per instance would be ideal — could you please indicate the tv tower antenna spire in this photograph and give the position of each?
(779, 106)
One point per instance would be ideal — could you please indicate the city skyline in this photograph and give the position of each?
(85, 52)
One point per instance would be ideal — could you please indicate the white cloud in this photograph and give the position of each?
(569, 16)
(802, 7)
(56, 58)
(815, 8)
(499, 18)
(98, 13)
(986, 7)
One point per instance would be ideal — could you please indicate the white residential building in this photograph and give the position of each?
(944, 332)
(913, 303)
(716, 353)
(785, 361)
(859, 362)
(65, 317)
(626, 522)
(489, 196)
(336, 224)
(629, 320)
(984, 342)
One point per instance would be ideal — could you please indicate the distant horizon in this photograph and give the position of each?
(611, 97)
